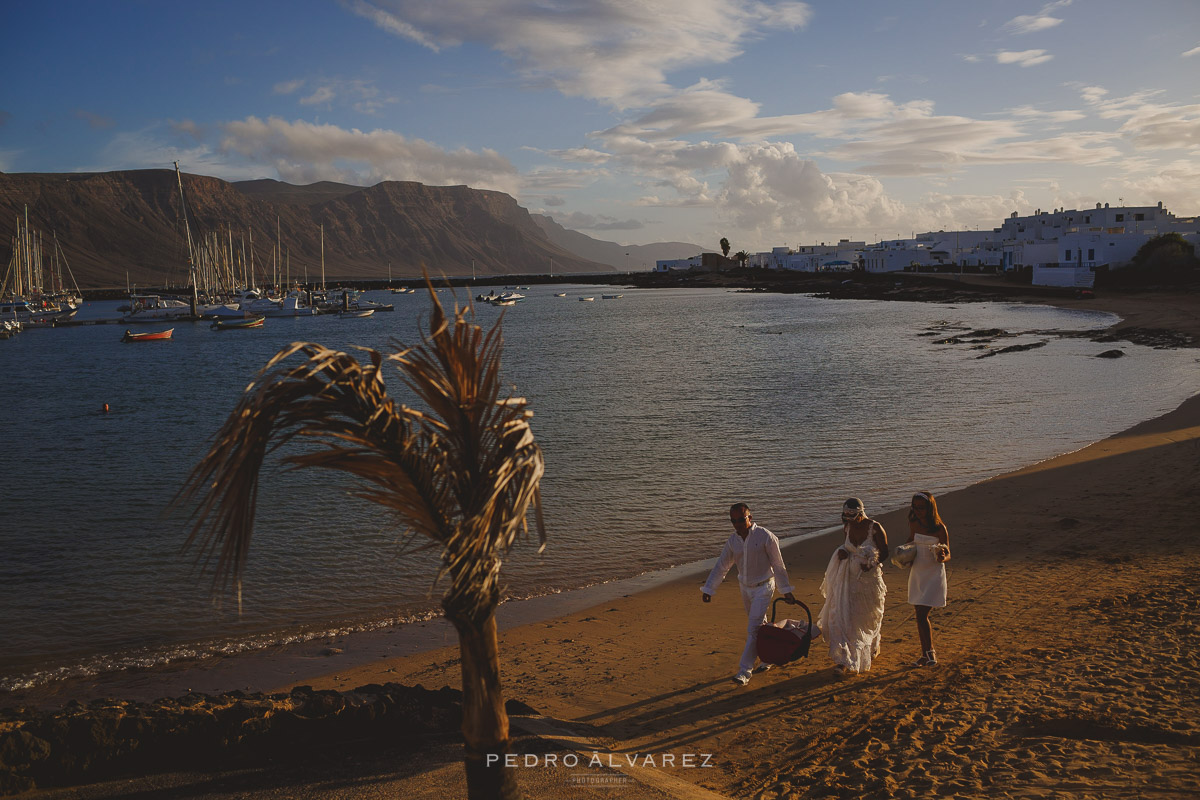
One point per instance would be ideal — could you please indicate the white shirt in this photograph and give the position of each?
(757, 559)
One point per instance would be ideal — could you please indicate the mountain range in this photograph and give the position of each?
(128, 227)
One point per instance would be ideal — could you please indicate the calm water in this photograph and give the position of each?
(655, 411)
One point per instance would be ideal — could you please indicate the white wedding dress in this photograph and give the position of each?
(853, 611)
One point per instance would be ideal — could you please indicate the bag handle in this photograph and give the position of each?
(779, 600)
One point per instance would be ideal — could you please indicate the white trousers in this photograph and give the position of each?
(757, 601)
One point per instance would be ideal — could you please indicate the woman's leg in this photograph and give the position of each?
(924, 628)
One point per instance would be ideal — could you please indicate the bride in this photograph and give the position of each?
(854, 591)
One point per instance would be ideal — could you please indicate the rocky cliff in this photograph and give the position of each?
(119, 226)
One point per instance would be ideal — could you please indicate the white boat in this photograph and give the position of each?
(560, 294)
(292, 305)
(611, 296)
(587, 299)
(30, 272)
(357, 313)
(222, 311)
(153, 308)
(339, 300)
(34, 313)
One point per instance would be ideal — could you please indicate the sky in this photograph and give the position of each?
(636, 121)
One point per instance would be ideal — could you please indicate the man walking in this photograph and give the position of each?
(755, 550)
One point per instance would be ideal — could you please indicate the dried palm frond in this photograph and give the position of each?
(463, 472)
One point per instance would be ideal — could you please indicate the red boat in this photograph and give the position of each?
(130, 336)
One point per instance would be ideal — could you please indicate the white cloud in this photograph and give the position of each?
(288, 87)
(1148, 124)
(1053, 117)
(304, 152)
(390, 23)
(322, 94)
(774, 194)
(148, 148)
(1035, 23)
(542, 179)
(609, 50)
(1176, 185)
(363, 96)
(583, 155)
(1195, 51)
(1025, 58)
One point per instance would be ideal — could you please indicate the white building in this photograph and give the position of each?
(1063, 247)
(666, 265)
(897, 255)
(843, 256)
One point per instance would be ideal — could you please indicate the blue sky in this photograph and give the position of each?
(636, 121)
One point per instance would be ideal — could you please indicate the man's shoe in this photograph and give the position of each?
(742, 678)
(762, 668)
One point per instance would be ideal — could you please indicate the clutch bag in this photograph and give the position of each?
(904, 555)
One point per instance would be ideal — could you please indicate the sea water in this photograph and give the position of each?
(655, 410)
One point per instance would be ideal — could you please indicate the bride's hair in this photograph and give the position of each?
(935, 519)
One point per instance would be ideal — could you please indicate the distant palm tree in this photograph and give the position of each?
(741, 256)
(724, 247)
(463, 473)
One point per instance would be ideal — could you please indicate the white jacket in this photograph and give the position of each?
(757, 558)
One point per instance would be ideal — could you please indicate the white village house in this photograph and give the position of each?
(1063, 247)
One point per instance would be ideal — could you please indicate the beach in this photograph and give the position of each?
(1068, 661)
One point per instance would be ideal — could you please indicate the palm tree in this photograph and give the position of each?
(724, 247)
(741, 256)
(463, 473)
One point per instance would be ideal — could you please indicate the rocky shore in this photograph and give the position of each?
(1173, 311)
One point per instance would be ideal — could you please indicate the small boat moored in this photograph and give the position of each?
(361, 312)
(235, 324)
(149, 336)
(587, 299)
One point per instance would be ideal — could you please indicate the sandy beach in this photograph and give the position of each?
(1070, 661)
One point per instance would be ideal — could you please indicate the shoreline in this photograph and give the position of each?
(270, 667)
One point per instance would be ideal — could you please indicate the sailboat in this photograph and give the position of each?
(24, 295)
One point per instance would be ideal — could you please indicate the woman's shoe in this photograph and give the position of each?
(930, 658)
(921, 662)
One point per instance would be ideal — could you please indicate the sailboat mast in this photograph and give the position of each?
(28, 279)
(187, 228)
(322, 258)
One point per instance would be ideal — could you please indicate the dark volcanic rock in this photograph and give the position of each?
(1111, 354)
(1016, 348)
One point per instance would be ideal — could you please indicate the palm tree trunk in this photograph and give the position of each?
(485, 722)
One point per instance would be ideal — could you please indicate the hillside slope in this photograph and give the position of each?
(127, 225)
